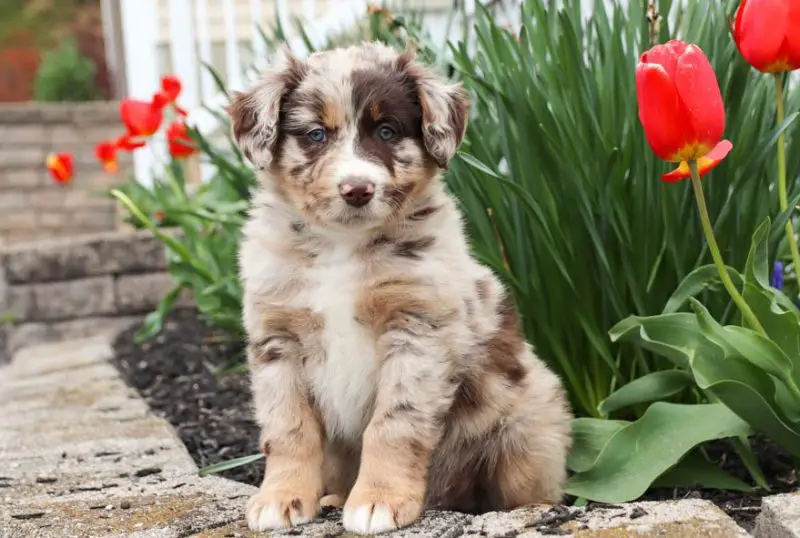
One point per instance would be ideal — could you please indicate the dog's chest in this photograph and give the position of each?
(343, 379)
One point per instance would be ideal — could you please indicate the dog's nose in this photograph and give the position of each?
(357, 192)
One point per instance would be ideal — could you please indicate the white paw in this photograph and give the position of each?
(369, 519)
(262, 516)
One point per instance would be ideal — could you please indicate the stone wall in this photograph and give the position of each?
(32, 206)
(78, 287)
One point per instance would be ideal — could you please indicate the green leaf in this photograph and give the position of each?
(674, 336)
(589, 436)
(702, 278)
(757, 266)
(746, 390)
(230, 464)
(644, 450)
(648, 388)
(782, 325)
(154, 321)
(695, 470)
(758, 350)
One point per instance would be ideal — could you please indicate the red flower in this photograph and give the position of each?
(766, 33)
(106, 153)
(179, 142)
(171, 88)
(159, 216)
(127, 142)
(61, 167)
(680, 107)
(142, 118)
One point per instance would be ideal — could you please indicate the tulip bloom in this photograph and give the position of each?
(171, 89)
(61, 167)
(127, 142)
(179, 142)
(767, 33)
(106, 153)
(680, 107)
(142, 118)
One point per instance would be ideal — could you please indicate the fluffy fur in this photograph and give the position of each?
(388, 369)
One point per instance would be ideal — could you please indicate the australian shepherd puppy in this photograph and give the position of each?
(388, 369)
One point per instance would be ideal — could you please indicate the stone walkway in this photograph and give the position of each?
(81, 455)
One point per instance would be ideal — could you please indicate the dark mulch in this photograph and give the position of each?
(175, 373)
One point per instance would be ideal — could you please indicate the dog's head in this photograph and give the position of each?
(348, 136)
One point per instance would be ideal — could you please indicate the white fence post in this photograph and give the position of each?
(141, 66)
(234, 66)
(207, 87)
(183, 50)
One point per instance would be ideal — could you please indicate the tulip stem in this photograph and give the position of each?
(783, 196)
(748, 314)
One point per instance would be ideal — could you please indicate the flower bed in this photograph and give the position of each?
(175, 373)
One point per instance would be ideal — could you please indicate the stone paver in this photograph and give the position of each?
(780, 517)
(81, 455)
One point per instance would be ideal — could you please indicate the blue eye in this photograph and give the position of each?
(318, 135)
(386, 132)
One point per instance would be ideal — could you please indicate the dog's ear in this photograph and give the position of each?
(255, 114)
(445, 108)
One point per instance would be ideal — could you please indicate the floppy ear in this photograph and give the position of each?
(444, 111)
(255, 114)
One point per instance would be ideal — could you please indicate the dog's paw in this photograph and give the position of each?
(379, 511)
(269, 509)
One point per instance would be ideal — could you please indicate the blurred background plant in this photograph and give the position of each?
(66, 75)
(562, 198)
(29, 30)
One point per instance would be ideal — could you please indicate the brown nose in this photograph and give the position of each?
(357, 192)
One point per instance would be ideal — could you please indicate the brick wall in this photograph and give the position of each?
(32, 206)
(77, 287)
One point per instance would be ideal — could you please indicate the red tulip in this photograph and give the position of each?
(680, 107)
(61, 167)
(171, 89)
(767, 33)
(106, 153)
(127, 142)
(178, 140)
(142, 118)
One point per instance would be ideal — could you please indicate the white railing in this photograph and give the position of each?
(179, 36)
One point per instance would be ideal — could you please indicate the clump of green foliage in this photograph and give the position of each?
(65, 74)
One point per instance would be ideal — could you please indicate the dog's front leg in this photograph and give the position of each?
(414, 392)
(291, 436)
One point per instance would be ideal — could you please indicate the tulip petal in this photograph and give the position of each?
(660, 110)
(759, 31)
(699, 91)
(704, 164)
(791, 45)
(664, 55)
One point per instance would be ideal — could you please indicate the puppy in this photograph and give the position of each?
(387, 366)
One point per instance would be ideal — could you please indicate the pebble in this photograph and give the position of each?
(147, 471)
(27, 515)
(125, 505)
(637, 512)
(46, 479)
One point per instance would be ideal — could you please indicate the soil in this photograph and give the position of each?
(176, 374)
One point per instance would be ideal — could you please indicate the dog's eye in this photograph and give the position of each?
(318, 135)
(386, 132)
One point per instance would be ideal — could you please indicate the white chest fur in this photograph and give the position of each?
(343, 382)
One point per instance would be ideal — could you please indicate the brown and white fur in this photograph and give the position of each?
(387, 365)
